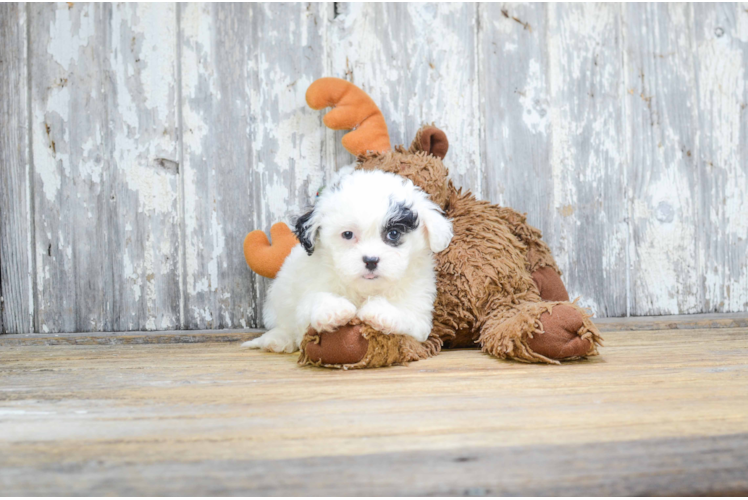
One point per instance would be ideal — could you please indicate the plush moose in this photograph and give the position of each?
(498, 286)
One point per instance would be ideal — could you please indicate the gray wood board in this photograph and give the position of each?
(252, 149)
(632, 324)
(552, 82)
(695, 466)
(662, 129)
(418, 61)
(131, 338)
(104, 116)
(721, 71)
(16, 213)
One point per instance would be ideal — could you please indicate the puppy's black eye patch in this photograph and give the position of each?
(401, 221)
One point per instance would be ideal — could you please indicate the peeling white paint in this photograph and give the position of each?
(218, 251)
(532, 99)
(63, 47)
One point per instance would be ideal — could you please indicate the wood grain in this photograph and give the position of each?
(659, 467)
(658, 412)
(721, 68)
(647, 323)
(253, 150)
(125, 338)
(17, 267)
(586, 89)
(662, 132)
(418, 62)
(516, 98)
(105, 156)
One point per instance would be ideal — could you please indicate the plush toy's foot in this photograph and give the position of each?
(540, 332)
(564, 334)
(549, 285)
(344, 346)
(357, 345)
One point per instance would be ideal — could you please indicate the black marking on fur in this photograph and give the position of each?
(302, 232)
(402, 219)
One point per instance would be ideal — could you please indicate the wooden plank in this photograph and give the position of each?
(16, 219)
(710, 466)
(105, 150)
(589, 230)
(253, 151)
(738, 260)
(618, 424)
(648, 323)
(721, 66)
(661, 131)
(127, 338)
(552, 80)
(418, 62)
(675, 322)
(516, 95)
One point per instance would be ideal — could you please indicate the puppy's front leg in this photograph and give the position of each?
(379, 313)
(324, 311)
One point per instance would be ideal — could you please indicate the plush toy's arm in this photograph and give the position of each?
(538, 253)
(266, 259)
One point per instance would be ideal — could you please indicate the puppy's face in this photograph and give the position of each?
(370, 226)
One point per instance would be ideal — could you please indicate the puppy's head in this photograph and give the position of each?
(371, 226)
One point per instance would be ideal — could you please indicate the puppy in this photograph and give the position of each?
(366, 252)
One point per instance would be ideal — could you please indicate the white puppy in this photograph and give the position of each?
(366, 251)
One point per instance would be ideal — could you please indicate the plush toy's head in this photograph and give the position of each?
(369, 140)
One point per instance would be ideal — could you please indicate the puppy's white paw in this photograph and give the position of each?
(275, 340)
(332, 313)
(381, 315)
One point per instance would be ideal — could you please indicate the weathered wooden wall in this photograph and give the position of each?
(141, 142)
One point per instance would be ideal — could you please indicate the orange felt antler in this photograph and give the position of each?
(266, 259)
(354, 110)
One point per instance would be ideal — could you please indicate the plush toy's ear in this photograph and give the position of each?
(431, 140)
(354, 110)
(306, 230)
(266, 259)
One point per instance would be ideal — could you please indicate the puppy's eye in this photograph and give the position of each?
(347, 235)
(393, 235)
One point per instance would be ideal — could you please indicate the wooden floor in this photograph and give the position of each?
(659, 412)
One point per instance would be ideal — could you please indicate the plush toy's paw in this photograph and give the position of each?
(331, 313)
(562, 339)
(275, 340)
(549, 285)
(357, 345)
(380, 315)
(344, 346)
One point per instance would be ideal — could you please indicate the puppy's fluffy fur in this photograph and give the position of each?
(366, 251)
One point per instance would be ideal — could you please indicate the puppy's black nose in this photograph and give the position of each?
(371, 262)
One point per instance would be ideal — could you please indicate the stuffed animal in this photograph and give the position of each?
(498, 286)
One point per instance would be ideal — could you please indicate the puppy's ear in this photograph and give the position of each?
(306, 229)
(438, 227)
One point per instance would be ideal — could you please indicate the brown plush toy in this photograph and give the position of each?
(498, 286)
